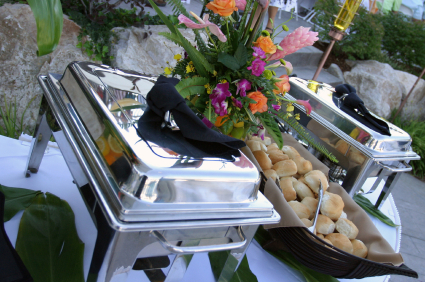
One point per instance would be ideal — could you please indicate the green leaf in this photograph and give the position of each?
(229, 61)
(49, 18)
(79, 45)
(241, 55)
(98, 57)
(226, 263)
(17, 199)
(262, 237)
(190, 86)
(105, 49)
(273, 129)
(48, 242)
(364, 202)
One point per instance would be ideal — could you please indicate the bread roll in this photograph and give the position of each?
(267, 141)
(347, 227)
(332, 206)
(303, 166)
(340, 241)
(256, 138)
(285, 168)
(302, 190)
(263, 160)
(327, 241)
(313, 179)
(324, 225)
(290, 151)
(359, 248)
(343, 215)
(320, 236)
(253, 145)
(287, 189)
(277, 156)
(272, 147)
(342, 147)
(310, 203)
(307, 222)
(271, 173)
(300, 209)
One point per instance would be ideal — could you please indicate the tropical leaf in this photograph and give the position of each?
(241, 55)
(273, 129)
(371, 209)
(224, 263)
(48, 242)
(172, 37)
(49, 18)
(17, 199)
(249, 113)
(229, 61)
(190, 86)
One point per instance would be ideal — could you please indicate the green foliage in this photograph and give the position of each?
(191, 86)
(49, 18)
(404, 40)
(17, 199)
(242, 274)
(364, 202)
(8, 116)
(416, 130)
(273, 129)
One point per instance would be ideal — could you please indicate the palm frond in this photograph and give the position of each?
(273, 129)
(292, 122)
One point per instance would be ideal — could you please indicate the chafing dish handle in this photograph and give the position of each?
(407, 167)
(200, 249)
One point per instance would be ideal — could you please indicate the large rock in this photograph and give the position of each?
(377, 85)
(19, 64)
(415, 105)
(144, 50)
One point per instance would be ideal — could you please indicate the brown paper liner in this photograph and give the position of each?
(379, 250)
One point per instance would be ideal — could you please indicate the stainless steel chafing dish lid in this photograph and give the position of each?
(143, 181)
(326, 113)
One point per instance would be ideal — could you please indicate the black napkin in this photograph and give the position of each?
(352, 102)
(12, 268)
(194, 138)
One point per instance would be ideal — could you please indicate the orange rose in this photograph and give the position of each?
(261, 100)
(282, 84)
(222, 7)
(266, 44)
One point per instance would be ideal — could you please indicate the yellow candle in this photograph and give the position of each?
(346, 14)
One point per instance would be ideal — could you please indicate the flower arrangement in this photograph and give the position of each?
(230, 76)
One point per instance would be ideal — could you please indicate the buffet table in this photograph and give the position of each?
(55, 177)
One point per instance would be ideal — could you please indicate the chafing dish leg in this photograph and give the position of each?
(235, 256)
(180, 264)
(38, 146)
(387, 189)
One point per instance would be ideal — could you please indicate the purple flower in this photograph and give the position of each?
(276, 107)
(259, 53)
(218, 98)
(257, 67)
(243, 85)
(237, 103)
(207, 122)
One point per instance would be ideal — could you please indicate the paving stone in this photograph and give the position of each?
(408, 246)
(411, 225)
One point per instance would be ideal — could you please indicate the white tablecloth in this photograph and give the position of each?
(54, 176)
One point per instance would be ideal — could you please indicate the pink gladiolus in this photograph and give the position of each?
(237, 103)
(240, 4)
(218, 98)
(301, 37)
(257, 67)
(276, 107)
(259, 53)
(220, 107)
(306, 105)
(207, 122)
(203, 23)
(243, 85)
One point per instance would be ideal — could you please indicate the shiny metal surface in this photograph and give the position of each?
(143, 181)
(312, 228)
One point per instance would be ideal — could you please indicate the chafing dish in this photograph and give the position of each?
(361, 152)
(147, 201)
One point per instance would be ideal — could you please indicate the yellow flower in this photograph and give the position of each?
(223, 81)
(214, 73)
(297, 116)
(177, 57)
(208, 87)
(289, 107)
(168, 70)
(190, 67)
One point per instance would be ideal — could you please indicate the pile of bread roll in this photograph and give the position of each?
(300, 186)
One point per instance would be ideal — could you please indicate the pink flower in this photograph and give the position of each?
(203, 23)
(259, 53)
(243, 85)
(207, 122)
(237, 103)
(276, 107)
(218, 98)
(306, 105)
(257, 67)
(240, 4)
(220, 107)
(299, 38)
